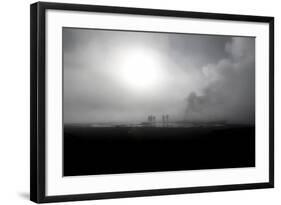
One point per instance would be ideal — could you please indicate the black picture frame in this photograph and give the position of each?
(38, 101)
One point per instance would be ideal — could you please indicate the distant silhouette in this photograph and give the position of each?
(165, 120)
(149, 118)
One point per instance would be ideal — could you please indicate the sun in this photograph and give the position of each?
(140, 69)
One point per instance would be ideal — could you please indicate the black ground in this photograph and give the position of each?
(91, 150)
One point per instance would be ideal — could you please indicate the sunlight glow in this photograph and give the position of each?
(140, 70)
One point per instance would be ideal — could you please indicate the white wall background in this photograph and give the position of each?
(14, 101)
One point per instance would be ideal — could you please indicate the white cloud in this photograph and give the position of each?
(229, 94)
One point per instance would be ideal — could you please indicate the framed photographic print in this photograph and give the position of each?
(129, 102)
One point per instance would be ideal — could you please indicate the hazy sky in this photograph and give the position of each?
(121, 76)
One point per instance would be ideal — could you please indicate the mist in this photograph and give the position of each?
(199, 77)
(230, 92)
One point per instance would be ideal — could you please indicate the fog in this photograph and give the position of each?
(230, 92)
(195, 77)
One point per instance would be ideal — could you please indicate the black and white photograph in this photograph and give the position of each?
(143, 101)
(134, 102)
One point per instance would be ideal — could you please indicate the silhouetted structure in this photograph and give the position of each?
(165, 120)
(151, 120)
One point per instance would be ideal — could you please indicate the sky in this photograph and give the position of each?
(124, 76)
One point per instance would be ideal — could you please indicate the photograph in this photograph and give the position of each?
(140, 101)
(144, 101)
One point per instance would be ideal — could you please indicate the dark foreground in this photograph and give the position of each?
(89, 150)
